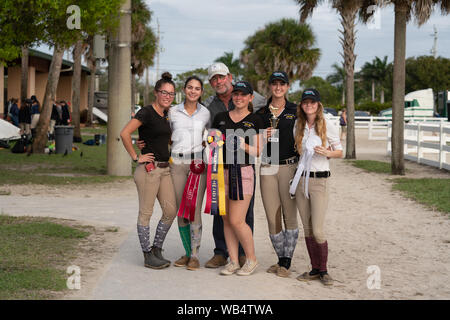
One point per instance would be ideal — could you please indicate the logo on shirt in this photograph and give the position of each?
(289, 116)
(248, 124)
(221, 123)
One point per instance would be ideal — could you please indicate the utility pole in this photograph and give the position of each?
(119, 94)
(158, 49)
(434, 50)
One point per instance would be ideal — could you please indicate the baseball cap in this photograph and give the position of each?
(279, 75)
(312, 94)
(244, 87)
(217, 68)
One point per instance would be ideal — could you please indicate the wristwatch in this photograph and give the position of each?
(137, 158)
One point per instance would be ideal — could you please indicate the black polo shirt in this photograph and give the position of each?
(285, 126)
(155, 131)
(249, 127)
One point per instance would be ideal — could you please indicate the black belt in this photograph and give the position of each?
(163, 164)
(281, 162)
(192, 156)
(318, 174)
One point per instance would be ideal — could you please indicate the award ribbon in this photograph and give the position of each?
(189, 199)
(234, 172)
(215, 185)
(304, 165)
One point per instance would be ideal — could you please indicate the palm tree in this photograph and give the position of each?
(282, 45)
(404, 9)
(376, 72)
(348, 10)
(233, 64)
(337, 79)
(143, 39)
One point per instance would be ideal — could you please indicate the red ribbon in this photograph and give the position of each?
(189, 199)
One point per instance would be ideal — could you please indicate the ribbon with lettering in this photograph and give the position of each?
(234, 171)
(189, 199)
(304, 165)
(215, 181)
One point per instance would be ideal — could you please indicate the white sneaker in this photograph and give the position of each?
(230, 268)
(248, 268)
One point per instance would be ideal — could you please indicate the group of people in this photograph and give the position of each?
(294, 142)
(26, 115)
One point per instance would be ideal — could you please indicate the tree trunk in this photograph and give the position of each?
(373, 91)
(133, 92)
(343, 96)
(119, 95)
(24, 75)
(91, 97)
(2, 88)
(398, 90)
(348, 17)
(146, 89)
(76, 83)
(382, 96)
(50, 93)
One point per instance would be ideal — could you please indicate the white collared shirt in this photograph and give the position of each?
(187, 130)
(319, 162)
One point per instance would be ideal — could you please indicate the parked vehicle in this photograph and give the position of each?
(359, 113)
(418, 103)
(331, 111)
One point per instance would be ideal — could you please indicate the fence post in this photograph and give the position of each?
(389, 140)
(442, 143)
(419, 139)
(370, 127)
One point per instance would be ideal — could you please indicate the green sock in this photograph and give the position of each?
(185, 233)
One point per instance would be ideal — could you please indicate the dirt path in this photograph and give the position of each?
(367, 224)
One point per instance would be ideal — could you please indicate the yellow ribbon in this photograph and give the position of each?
(221, 180)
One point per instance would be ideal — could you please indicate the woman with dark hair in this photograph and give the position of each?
(239, 175)
(25, 117)
(317, 140)
(278, 164)
(188, 121)
(35, 113)
(152, 175)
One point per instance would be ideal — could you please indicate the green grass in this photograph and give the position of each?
(56, 169)
(34, 255)
(372, 166)
(434, 193)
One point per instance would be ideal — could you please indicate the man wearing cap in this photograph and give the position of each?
(220, 78)
(278, 164)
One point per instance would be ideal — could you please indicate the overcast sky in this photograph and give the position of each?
(195, 32)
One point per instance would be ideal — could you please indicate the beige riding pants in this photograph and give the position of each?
(151, 185)
(274, 183)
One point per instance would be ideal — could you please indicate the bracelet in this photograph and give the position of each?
(137, 158)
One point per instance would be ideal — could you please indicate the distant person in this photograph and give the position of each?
(14, 112)
(35, 114)
(25, 117)
(152, 175)
(55, 119)
(317, 140)
(343, 123)
(277, 170)
(65, 113)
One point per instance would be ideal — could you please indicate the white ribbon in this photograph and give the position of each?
(304, 165)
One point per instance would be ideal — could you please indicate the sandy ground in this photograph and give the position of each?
(369, 227)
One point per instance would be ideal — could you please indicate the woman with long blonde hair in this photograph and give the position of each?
(317, 140)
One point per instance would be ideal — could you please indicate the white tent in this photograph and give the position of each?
(8, 131)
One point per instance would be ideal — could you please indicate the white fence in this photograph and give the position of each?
(425, 143)
(378, 126)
